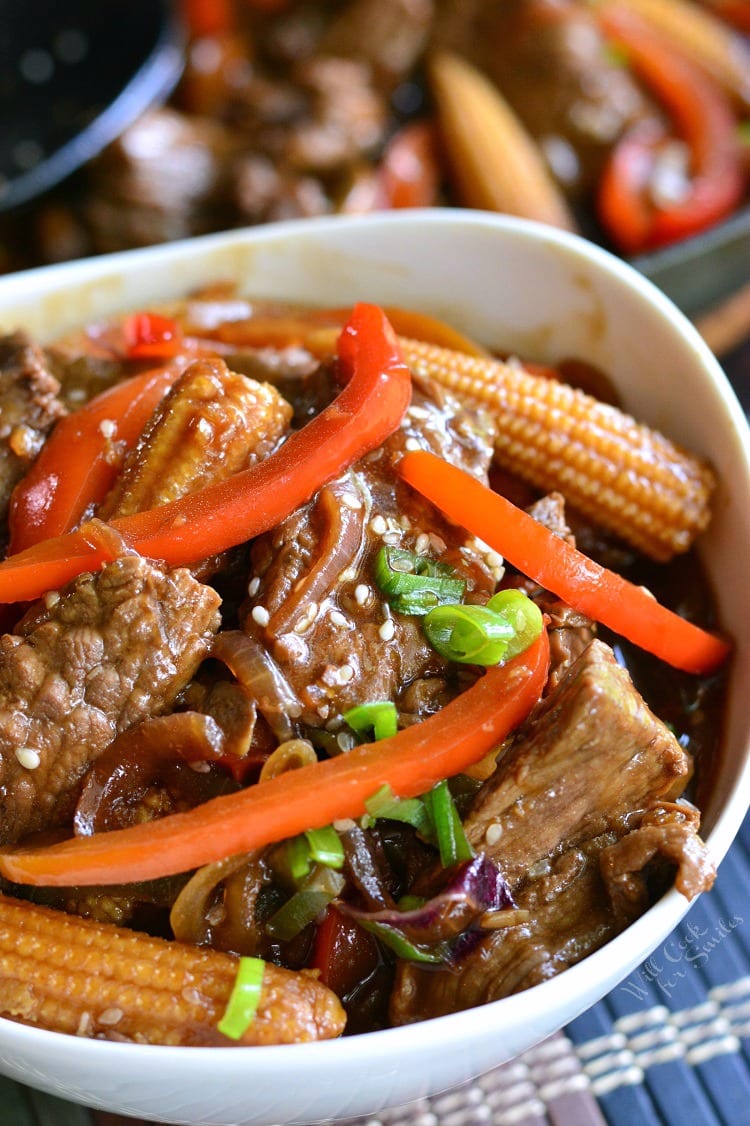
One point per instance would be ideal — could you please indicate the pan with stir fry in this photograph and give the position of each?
(315, 715)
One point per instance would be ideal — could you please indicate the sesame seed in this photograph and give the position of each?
(423, 542)
(201, 767)
(350, 501)
(28, 757)
(111, 1016)
(260, 615)
(323, 710)
(347, 575)
(412, 444)
(346, 673)
(51, 598)
(205, 428)
(392, 538)
(344, 741)
(439, 545)
(387, 630)
(337, 618)
(361, 594)
(344, 825)
(378, 525)
(493, 833)
(494, 559)
(107, 428)
(253, 586)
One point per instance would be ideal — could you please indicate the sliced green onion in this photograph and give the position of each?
(524, 616)
(485, 635)
(449, 832)
(380, 717)
(244, 998)
(298, 858)
(325, 846)
(402, 947)
(471, 635)
(302, 908)
(415, 584)
(410, 811)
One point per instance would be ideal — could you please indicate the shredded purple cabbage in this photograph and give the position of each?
(475, 887)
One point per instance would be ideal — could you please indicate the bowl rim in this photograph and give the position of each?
(630, 946)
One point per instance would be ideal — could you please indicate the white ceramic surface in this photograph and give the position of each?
(513, 285)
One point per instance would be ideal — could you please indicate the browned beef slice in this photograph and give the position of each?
(314, 602)
(562, 795)
(29, 406)
(110, 650)
(592, 753)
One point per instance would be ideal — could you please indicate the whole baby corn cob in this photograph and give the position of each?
(614, 470)
(495, 163)
(212, 423)
(92, 979)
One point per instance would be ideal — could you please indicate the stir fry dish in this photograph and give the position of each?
(625, 119)
(351, 676)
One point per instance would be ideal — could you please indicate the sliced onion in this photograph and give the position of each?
(157, 750)
(262, 679)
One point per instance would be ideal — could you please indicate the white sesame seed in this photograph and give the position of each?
(439, 545)
(392, 538)
(337, 618)
(378, 525)
(347, 575)
(323, 710)
(412, 444)
(418, 412)
(84, 1024)
(387, 630)
(350, 501)
(51, 598)
(361, 594)
(493, 833)
(107, 428)
(260, 615)
(344, 825)
(346, 673)
(423, 542)
(253, 586)
(494, 559)
(344, 741)
(111, 1016)
(201, 767)
(28, 757)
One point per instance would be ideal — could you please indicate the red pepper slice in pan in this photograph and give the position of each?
(702, 117)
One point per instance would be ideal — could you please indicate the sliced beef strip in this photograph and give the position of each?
(314, 602)
(107, 652)
(577, 779)
(29, 407)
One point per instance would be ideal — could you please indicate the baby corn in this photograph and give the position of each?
(495, 163)
(614, 470)
(211, 424)
(91, 979)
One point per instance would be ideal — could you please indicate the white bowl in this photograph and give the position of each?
(510, 284)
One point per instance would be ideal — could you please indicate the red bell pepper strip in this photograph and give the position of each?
(410, 762)
(74, 471)
(702, 116)
(603, 595)
(151, 336)
(409, 169)
(229, 512)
